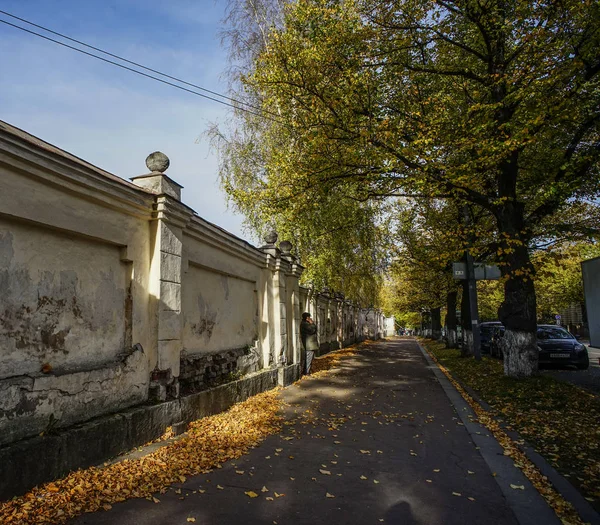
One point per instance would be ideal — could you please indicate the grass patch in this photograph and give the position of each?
(561, 421)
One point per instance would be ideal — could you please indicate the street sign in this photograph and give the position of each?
(557, 317)
(483, 272)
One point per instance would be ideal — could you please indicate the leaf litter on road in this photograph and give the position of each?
(551, 429)
(209, 442)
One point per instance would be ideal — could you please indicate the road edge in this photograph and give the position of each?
(528, 506)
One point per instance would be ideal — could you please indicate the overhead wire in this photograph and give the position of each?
(259, 112)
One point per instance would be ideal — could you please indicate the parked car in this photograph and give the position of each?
(485, 334)
(559, 347)
(496, 336)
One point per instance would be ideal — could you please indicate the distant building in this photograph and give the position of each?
(591, 290)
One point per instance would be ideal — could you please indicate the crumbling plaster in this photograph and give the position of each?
(110, 291)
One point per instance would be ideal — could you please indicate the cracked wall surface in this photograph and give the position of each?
(113, 293)
(31, 404)
(62, 300)
(220, 312)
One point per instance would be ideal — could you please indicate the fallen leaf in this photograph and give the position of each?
(470, 472)
(278, 495)
(326, 472)
(270, 498)
(155, 500)
(191, 520)
(456, 494)
(239, 472)
(363, 477)
(365, 451)
(251, 494)
(329, 495)
(428, 480)
(264, 489)
(520, 487)
(436, 469)
(375, 481)
(219, 487)
(471, 499)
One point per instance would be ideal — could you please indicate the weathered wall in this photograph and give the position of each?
(65, 300)
(340, 323)
(113, 294)
(220, 311)
(73, 298)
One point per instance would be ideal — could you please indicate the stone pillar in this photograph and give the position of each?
(340, 319)
(293, 313)
(170, 218)
(277, 317)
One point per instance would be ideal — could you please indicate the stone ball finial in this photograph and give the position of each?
(157, 162)
(285, 247)
(271, 237)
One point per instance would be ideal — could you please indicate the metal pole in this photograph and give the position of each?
(472, 284)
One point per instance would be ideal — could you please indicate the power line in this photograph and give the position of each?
(128, 61)
(261, 114)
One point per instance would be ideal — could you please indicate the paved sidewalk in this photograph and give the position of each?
(379, 434)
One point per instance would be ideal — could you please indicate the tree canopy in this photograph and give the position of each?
(493, 103)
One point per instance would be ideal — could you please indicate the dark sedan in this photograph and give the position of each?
(485, 333)
(558, 347)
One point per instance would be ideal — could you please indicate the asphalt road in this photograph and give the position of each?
(377, 441)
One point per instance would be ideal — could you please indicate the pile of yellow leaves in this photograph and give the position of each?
(209, 442)
(504, 395)
(323, 364)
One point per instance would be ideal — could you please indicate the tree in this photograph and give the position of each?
(559, 282)
(493, 103)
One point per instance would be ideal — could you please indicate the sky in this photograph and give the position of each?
(114, 118)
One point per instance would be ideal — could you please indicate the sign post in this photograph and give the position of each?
(472, 285)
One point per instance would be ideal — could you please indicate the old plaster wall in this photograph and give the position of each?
(65, 300)
(74, 258)
(115, 293)
(340, 323)
(223, 295)
(220, 311)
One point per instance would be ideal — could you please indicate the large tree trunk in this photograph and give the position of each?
(518, 311)
(451, 340)
(436, 323)
(466, 348)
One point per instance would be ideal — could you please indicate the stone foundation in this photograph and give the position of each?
(43, 458)
(31, 404)
(203, 371)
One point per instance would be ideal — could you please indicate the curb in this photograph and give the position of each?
(528, 506)
(562, 485)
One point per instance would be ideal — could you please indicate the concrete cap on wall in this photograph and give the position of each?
(156, 181)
